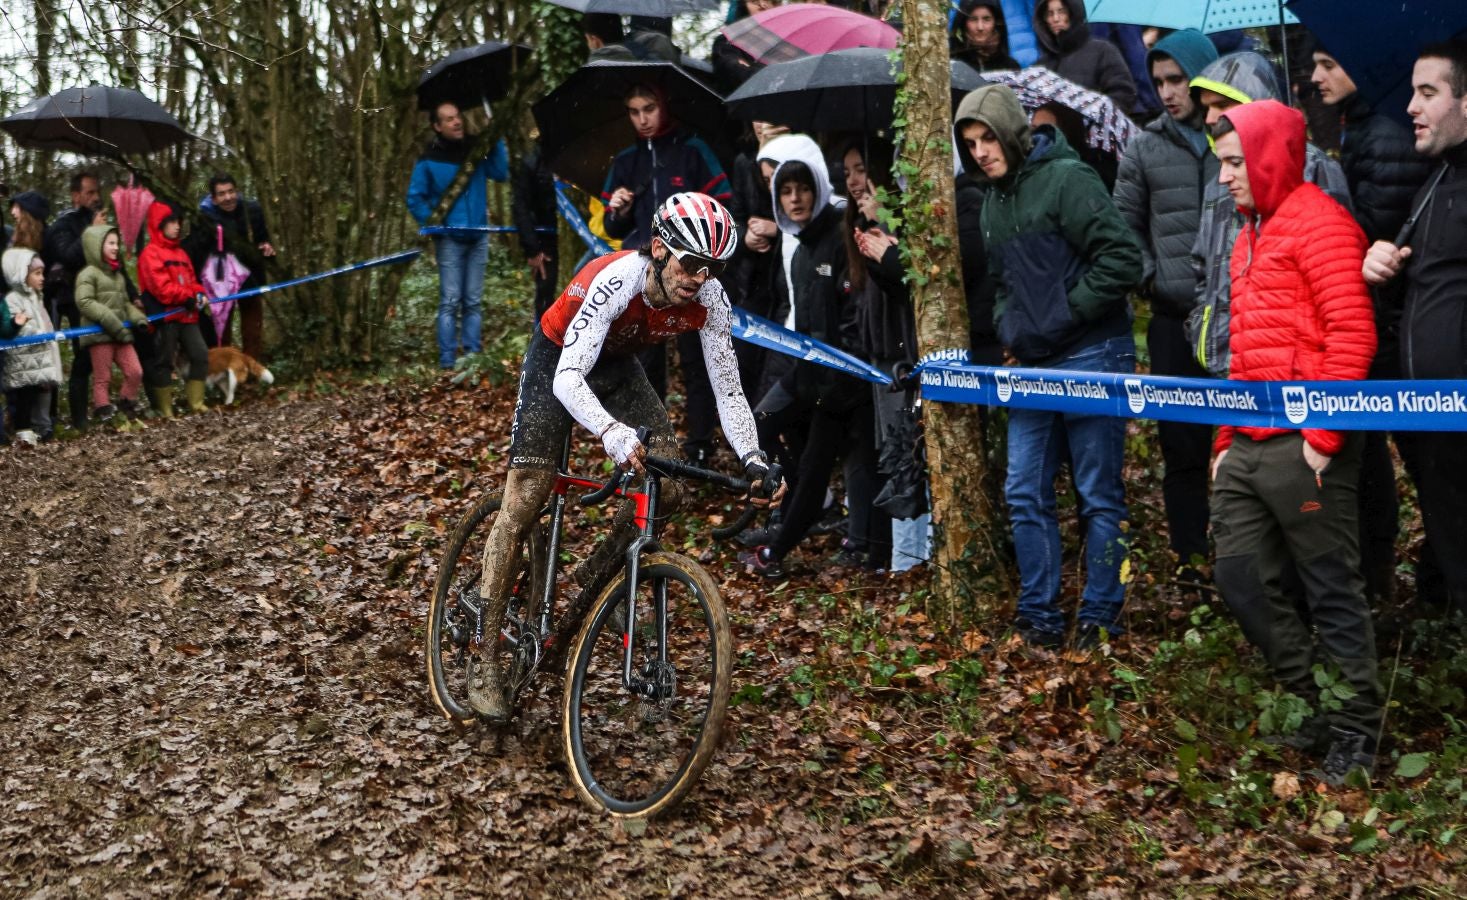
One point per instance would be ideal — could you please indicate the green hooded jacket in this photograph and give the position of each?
(101, 293)
(1064, 259)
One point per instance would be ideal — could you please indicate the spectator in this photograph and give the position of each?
(665, 159)
(606, 40)
(245, 235)
(749, 277)
(1431, 264)
(65, 259)
(1064, 262)
(533, 207)
(1383, 171)
(461, 255)
(29, 210)
(981, 36)
(1287, 499)
(829, 411)
(732, 66)
(1163, 173)
(33, 370)
(103, 298)
(168, 283)
(1232, 80)
(1068, 50)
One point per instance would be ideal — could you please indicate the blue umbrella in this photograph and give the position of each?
(1377, 42)
(1207, 16)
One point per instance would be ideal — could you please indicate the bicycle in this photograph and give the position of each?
(650, 652)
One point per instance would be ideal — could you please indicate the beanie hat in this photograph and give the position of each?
(33, 203)
(1189, 48)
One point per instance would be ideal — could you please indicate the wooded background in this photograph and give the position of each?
(310, 105)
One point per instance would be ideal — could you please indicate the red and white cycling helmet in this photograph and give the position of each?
(692, 223)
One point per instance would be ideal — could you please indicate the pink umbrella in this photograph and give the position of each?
(131, 205)
(223, 275)
(806, 29)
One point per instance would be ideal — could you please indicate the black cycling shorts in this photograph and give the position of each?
(542, 424)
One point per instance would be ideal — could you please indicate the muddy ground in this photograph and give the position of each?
(212, 684)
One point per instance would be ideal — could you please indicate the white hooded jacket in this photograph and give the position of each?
(34, 365)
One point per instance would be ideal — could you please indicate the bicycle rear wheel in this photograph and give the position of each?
(636, 755)
(455, 609)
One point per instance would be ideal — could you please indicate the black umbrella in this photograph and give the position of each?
(471, 75)
(844, 90)
(95, 120)
(584, 124)
(661, 9)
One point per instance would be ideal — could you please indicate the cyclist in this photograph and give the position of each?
(583, 354)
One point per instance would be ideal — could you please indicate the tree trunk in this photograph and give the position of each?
(962, 516)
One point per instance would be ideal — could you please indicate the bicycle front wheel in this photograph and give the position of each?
(636, 752)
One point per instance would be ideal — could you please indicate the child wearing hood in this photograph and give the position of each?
(168, 282)
(827, 411)
(34, 366)
(102, 297)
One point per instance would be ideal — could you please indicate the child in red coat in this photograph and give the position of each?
(168, 282)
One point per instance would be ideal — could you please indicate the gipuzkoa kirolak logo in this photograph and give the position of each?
(1135, 396)
(1005, 387)
(1296, 405)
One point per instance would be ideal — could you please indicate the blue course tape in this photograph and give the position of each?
(1333, 405)
(476, 229)
(573, 218)
(68, 334)
(764, 333)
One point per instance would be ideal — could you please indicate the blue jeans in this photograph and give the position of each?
(1038, 441)
(460, 294)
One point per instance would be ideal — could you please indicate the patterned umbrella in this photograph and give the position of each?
(131, 206)
(1106, 127)
(804, 29)
(1207, 16)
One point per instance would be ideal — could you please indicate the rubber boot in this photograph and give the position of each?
(164, 401)
(194, 391)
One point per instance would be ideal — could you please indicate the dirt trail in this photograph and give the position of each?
(211, 683)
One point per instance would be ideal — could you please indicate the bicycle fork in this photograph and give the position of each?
(652, 688)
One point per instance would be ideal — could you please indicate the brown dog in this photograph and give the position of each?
(229, 368)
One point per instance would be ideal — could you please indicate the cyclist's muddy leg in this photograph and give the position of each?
(525, 493)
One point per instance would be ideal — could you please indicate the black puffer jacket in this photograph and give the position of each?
(1382, 167)
(1159, 191)
(533, 203)
(978, 288)
(823, 311)
(1074, 54)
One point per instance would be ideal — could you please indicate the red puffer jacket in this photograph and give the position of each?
(1300, 308)
(164, 269)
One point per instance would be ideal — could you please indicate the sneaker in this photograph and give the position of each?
(1349, 751)
(755, 537)
(104, 413)
(848, 556)
(486, 690)
(1312, 737)
(1090, 635)
(1035, 636)
(761, 562)
(831, 521)
(27, 437)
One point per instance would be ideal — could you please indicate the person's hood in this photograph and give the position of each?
(799, 148)
(156, 214)
(92, 240)
(1272, 135)
(16, 263)
(1067, 41)
(997, 106)
(1241, 77)
(1189, 48)
(966, 9)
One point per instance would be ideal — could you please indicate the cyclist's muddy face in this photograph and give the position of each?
(682, 285)
(646, 116)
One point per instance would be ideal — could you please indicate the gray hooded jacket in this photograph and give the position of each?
(34, 365)
(1242, 77)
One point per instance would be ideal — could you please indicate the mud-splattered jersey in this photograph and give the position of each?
(604, 310)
